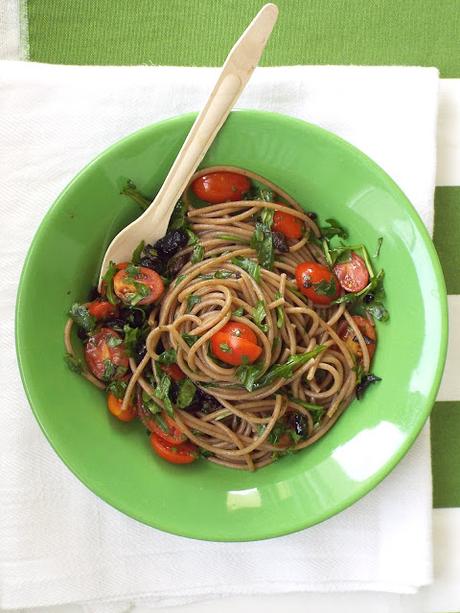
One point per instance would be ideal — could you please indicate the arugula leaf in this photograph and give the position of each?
(233, 238)
(179, 279)
(377, 310)
(224, 347)
(150, 403)
(110, 370)
(113, 341)
(178, 219)
(379, 246)
(117, 388)
(260, 193)
(132, 336)
(266, 217)
(190, 339)
(162, 392)
(251, 267)
(75, 364)
(191, 301)
(285, 370)
(161, 422)
(80, 315)
(197, 253)
(142, 291)
(219, 274)
(186, 394)
(333, 229)
(137, 253)
(262, 242)
(279, 311)
(365, 382)
(326, 288)
(248, 374)
(108, 279)
(239, 312)
(259, 314)
(316, 410)
(132, 192)
(167, 357)
(277, 432)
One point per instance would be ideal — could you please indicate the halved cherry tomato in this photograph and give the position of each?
(185, 453)
(114, 406)
(173, 371)
(171, 434)
(122, 265)
(353, 275)
(235, 344)
(104, 356)
(316, 282)
(101, 309)
(345, 332)
(125, 288)
(219, 187)
(290, 226)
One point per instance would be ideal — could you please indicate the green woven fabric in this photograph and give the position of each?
(201, 32)
(447, 234)
(445, 429)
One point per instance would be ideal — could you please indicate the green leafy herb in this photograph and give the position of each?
(224, 347)
(150, 403)
(109, 370)
(186, 393)
(366, 380)
(333, 229)
(167, 357)
(117, 388)
(179, 279)
(279, 311)
(132, 271)
(285, 370)
(197, 253)
(113, 341)
(233, 238)
(379, 246)
(262, 242)
(190, 339)
(161, 422)
(162, 392)
(239, 312)
(74, 363)
(248, 375)
(377, 310)
(326, 288)
(316, 410)
(179, 217)
(251, 267)
(135, 258)
(277, 432)
(132, 192)
(259, 314)
(260, 193)
(266, 217)
(219, 274)
(191, 301)
(204, 453)
(80, 315)
(132, 336)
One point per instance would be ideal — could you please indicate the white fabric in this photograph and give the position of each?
(58, 542)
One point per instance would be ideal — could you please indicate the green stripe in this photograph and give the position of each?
(201, 32)
(445, 437)
(447, 234)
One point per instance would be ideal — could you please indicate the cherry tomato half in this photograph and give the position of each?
(125, 288)
(166, 428)
(173, 371)
(114, 406)
(235, 344)
(219, 187)
(346, 333)
(316, 282)
(101, 309)
(353, 275)
(106, 356)
(185, 453)
(290, 226)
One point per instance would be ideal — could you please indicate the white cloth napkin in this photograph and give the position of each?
(58, 542)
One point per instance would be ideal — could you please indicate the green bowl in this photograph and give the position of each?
(203, 500)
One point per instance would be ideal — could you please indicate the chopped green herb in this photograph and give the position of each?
(366, 380)
(190, 339)
(179, 217)
(113, 341)
(251, 267)
(132, 192)
(333, 229)
(80, 315)
(259, 314)
(132, 336)
(137, 253)
(162, 392)
(191, 301)
(248, 375)
(233, 238)
(73, 363)
(279, 311)
(267, 217)
(109, 370)
(150, 403)
(262, 242)
(316, 410)
(239, 312)
(285, 370)
(224, 347)
(179, 279)
(260, 193)
(219, 274)
(186, 393)
(117, 388)
(167, 357)
(132, 271)
(197, 253)
(142, 291)
(204, 453)
(326, 288)
(161, 422)
(377, 310)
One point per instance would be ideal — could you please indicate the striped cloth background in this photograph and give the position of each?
(372, 32)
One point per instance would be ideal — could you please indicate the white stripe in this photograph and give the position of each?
(450, 384)
(10, 47)
(448, 168)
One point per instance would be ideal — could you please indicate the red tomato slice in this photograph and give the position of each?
(219, 187)
(101, 309)
(290, 226)
(106, 355)
(310, 276)
(235, 350)
(185, 453)
(173, 371)
(353, 275)
(114, 406)
(346, 333)
(125, 288)
(171, 434)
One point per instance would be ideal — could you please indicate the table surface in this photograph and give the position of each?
(200, 32)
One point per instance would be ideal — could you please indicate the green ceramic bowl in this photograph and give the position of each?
(202, 500)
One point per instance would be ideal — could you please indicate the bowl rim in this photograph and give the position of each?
(384, 470)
